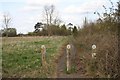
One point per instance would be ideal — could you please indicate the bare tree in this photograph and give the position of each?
(46, 14)
(50, 15)
(6, 22)
(57, 20)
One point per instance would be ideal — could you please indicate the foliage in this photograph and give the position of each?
(51, 30)
(51, 24)
(10, 32)
(75, 32)
(31, 34)
(6, 22)
(38, 25)
(103, 33)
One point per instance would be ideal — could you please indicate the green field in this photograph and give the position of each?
(21, 56)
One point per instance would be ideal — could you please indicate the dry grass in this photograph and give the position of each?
(106, 43)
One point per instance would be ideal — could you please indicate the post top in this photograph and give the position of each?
(93, 46)
(43, 46)
(68, 46)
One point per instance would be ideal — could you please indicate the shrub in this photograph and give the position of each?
(10, 32)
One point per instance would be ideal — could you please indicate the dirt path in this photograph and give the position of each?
(61, 65)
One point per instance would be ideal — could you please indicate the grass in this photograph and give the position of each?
(21, 56)
(71, 71)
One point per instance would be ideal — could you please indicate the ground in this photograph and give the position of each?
(78, 69)
(21, 57)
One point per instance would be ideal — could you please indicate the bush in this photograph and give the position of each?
(10, 32)
(104, 34)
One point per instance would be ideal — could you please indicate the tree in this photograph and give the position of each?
(9, 32)
(12, 32)
(63, 30)
(6, 22)
(85, 22)
(70, 27)
(49, 14)
(118, 12)
(75, 32)
(38, 26)
(57, 21)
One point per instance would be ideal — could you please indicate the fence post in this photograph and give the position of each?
(68, 58)
(43, 52)
(94, 51)
(94, 62)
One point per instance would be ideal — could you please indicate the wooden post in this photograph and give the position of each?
(94, 51)
(68, 58)
(43, 52)
(94, 62)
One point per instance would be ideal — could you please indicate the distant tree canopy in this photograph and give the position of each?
(6, 22)
(38, 25)
(50, 16)
(51, 24)
(10, 32)
(75, 31)
(50, 30)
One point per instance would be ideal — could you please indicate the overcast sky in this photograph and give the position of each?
(26, 13)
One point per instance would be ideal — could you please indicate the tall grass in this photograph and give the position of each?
(106, 42)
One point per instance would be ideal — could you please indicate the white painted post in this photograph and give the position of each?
(94, 61)
(43, 52)
(68, 57)
(94, 51)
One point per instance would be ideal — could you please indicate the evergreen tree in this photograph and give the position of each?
(75, 32)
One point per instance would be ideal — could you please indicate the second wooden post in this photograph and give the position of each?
(68, 61)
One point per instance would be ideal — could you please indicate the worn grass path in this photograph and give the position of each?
(77, 66)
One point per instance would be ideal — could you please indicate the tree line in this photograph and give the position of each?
(7, 31)
(49, 26)
(58, 30)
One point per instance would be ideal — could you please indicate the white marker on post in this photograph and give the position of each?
(93, 46)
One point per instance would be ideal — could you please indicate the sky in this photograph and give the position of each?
(26, 13)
